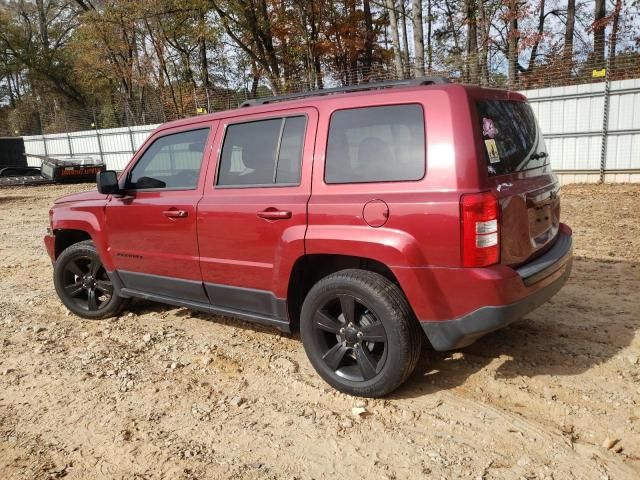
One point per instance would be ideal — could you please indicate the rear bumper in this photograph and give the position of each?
(541, 280)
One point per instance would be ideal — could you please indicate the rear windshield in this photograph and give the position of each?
(511, 141)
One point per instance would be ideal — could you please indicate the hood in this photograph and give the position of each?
(81, 197)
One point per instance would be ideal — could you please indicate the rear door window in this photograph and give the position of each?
(511, 138)
(262, 153)
(376, 144)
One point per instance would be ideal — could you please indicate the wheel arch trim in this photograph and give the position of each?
(88, 223)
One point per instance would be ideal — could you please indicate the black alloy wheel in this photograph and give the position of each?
(83, 284)
(352, 341)
(360, 333)
(86, 283)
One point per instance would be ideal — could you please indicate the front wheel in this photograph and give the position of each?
(360, 333)
(83, 285)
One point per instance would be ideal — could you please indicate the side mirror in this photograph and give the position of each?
(107, 182)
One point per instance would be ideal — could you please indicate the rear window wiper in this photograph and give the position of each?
(538, 156)
(533, 156)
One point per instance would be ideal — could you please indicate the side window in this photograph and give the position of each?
(265, 152)
(172, 161)
(376, 144)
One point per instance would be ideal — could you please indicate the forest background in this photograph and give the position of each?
(69, 65)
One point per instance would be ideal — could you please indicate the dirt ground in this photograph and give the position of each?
(164, 392)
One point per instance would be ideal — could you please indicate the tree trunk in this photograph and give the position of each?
(42, 21)
(204, 63)
(567, 52)
(395, 37)
(418, 38)
(352, 52)
(252, 37)
(484, 44)
(598, 32)
(158, 47)
(534, 49)
(451, 12)
(12, 100)
(368, 38)
(429, 29)
(614, 33)
(405, 40)
(512, 43)
(267, 38)
(317, 68)
(255, 80)
(472, 41)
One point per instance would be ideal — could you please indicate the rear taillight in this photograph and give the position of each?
(480, 229)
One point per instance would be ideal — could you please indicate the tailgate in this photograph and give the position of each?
(521, 178)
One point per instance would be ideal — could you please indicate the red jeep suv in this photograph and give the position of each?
(366, 217)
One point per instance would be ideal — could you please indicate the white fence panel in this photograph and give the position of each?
(141, 133)
(34, 145)
(117, 161)
(623, 152)
(572, 119)
(84, 144)
(115, 146)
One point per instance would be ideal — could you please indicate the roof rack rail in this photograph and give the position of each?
(414, 82)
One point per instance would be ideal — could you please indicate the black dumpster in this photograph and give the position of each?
(12, 152)
(12, 158)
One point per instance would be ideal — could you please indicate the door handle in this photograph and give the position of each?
(273, 214)
(175, 213)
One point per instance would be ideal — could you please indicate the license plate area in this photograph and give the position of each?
(540, 220)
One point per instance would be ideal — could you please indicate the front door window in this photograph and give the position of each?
(171, 162)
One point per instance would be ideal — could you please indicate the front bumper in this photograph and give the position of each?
(552, 270)
(50, 245)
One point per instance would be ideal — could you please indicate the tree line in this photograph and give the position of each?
(118, 62)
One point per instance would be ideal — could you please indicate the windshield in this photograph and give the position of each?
(511, 138)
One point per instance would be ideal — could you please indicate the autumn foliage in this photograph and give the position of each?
(76, 64)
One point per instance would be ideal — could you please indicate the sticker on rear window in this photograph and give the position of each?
(489, 128)
(492, 150)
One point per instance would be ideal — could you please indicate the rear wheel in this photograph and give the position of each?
(83, 285)
(359, 333)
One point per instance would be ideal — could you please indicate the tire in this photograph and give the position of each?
(370, 350)
(83, 285)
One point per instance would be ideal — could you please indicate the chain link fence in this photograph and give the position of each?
(158, 105)
(588, 114)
